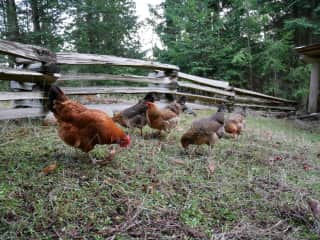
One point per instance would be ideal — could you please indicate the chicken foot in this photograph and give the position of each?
(105, 161)
(210, 149)
(194, 151)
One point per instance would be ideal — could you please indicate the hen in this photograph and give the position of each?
(161, 119)
(81, 127)
(179, 106)
(205, 130)
(134, 116)
(235, 123)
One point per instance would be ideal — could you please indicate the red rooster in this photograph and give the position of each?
(81, 127)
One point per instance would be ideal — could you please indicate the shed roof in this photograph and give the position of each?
(312, 51)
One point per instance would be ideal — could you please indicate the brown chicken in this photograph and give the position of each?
(205, 130)
(161, 119)
(81, 127)
(134, 116)
(179, 106)
(235, 123)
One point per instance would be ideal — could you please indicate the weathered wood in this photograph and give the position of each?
(312, 116)
(206, 89)
(308, 59)
(203, 98)
(88, 59)
(103, 90)
(314, 88)
(312, 50)
(248, 99)
(19, 113)
(7, 96)
(45, 68)
(123, 77)
(20, 60)
(27, 51)
(26, 76)
(282, 108)
(252, 93)
(204, 81)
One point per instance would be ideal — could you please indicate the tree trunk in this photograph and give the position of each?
(12, 21)
(251, 84)
(13, 33)
(36, 21)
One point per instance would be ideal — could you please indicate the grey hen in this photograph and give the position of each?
(205, 130)
(134, 116)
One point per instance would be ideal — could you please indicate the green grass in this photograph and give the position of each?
(148, 193)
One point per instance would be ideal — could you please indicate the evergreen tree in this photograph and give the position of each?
(104, 27)
(42, 21)
(248, 43)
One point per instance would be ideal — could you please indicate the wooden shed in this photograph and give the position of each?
(311, 54)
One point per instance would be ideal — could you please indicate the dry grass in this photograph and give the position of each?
(154, 190)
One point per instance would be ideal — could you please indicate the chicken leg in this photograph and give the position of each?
(108, 159)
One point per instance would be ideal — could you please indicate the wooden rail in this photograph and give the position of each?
(71, 58)
(267, 107)
(206, 89)
(256, 94)
(171, 81)
(104, 90)
(123, 77)
(9, 96)
(20, 113)
(27, 51)
(26, 76)
(204, 81)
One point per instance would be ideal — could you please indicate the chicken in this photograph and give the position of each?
(235, 123)
(205, 130)
(174, 107)
(219, 115)
(161, 119)
(134, 116)
(81, 127)
(179, 106)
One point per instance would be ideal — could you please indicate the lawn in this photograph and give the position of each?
(254, 187)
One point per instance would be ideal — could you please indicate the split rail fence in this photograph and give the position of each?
(41, 66)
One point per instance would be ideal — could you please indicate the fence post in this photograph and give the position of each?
(42, 67)
(232, 101)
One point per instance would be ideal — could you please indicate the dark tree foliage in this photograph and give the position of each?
(247, 42)
(85, 26)
(89, 26)
(105, 27)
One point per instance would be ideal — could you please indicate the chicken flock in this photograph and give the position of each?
(83, 128)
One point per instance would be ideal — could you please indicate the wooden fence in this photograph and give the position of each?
(168, 80)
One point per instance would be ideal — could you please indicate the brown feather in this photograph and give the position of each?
(161, 119)
(202, 131)
(83, 128)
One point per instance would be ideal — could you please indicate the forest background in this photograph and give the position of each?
(249, 43)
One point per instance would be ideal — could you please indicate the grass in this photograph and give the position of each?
(154, 190)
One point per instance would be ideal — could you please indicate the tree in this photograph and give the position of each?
(11, 31)
(246, 42)
(41, 22)
(104, 27)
